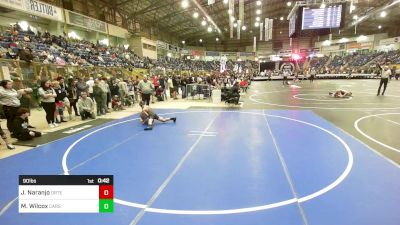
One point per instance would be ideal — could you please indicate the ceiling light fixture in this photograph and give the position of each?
(185, 4)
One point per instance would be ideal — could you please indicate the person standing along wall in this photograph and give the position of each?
(10, 100)
(146, 89)
(48, 102)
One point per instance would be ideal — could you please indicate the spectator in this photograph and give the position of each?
(81, 86)
(90, 84)
(98, 95)
(10, 100)
(5, 139)
(60, 104)
(48, 96)
(146, 88)
(73, 95)
(86, 107)
(21, 126)
(116, 103)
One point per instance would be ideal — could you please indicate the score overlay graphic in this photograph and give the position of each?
(66, 194)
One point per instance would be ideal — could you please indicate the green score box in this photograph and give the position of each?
(106, 205)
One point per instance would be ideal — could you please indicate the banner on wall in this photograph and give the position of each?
(210, 53)
(162, 45)
(247, 53)
(229, 53)
(36, 8)
(197, 53)
(355, 45)
(389, 41)
(285, 65)
(79, 20)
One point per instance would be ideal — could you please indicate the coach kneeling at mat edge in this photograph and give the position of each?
(20, 126)
(86, 107)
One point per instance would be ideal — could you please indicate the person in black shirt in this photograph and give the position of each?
(183, 86)
(20, 126)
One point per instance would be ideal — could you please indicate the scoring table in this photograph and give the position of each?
(66, 194)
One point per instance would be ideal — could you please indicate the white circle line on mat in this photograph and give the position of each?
(320, 192)
(252, 98)
(356, 125)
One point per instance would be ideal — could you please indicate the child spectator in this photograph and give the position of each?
(20, 126)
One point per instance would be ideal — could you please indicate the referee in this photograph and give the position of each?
(384, 80)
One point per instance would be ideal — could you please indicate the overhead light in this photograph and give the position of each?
(229, 11)
(217, 39)
(379, 27)
(195, 15)
(326, 43)
(72, 35)
(258, 11)
(255, 59)
(323, 5)
(289, 4)
(226, 1)
(185, 4)
(183, 42)
(235, 25)
(343, 40)
(258, 2)
(355, 17)
(203, 23)
(24, 25)
(105, 41)
(281, 18)
(383, 14)
(209, 29)
(232, 18)
(201, 40)
(244, 27)
(258, 18)
(362, 38)
(256, 24)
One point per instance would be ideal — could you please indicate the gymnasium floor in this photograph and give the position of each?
(288, 157)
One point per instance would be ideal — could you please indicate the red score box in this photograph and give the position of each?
(106, 192)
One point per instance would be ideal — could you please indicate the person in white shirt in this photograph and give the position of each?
(384, 80)
(90, 83)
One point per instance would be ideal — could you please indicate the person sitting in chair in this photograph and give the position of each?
(341, 94)
(147, 116)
